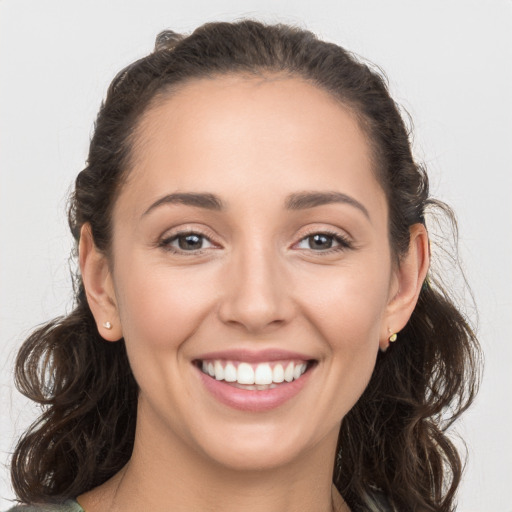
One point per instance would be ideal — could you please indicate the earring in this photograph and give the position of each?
(393, 336)
(107, 325)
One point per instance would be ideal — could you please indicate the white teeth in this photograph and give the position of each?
(288, 373)
(230, 373)
(299, 370)
(245, 374)
(263, 374)
(219, 371)
(278, 373)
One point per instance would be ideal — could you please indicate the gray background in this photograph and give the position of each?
(449, 65)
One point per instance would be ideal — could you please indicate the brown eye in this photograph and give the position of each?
(323, 242)
(320, 241)
(186, 242)
(190, 242)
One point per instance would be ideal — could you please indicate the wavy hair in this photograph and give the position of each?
(393, 442)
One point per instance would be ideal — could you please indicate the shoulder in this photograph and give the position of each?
(67, 506)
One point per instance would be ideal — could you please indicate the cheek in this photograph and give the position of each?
(347, 314)
(160, 307)
(348, 305)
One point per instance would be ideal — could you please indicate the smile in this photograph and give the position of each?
(254, 381)
(261, 376)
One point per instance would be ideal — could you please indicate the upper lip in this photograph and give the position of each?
(254, 356)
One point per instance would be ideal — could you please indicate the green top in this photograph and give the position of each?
(67, 506)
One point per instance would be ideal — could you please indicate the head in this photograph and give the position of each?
(267, 258)
(253, 127)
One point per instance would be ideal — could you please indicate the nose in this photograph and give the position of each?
(256, 295)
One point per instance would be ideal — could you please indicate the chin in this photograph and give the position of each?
(241, 458)
(258, 449)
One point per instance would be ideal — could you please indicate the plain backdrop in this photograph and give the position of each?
(449, 66)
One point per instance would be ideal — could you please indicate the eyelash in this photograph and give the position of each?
(343, 242)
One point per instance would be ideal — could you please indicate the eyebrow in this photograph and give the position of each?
(200, 200)
(296, 201)
(304, 200)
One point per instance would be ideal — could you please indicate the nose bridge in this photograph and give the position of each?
(256, 295)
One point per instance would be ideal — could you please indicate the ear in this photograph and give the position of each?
(407, 283)
(99, 287)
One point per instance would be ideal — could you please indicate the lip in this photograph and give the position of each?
(254, 400)
(254, 356)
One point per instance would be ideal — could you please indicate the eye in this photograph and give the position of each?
(186, 242)
(322, 242)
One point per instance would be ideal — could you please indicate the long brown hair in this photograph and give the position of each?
(393, 443)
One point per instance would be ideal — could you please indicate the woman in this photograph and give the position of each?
(254, 327)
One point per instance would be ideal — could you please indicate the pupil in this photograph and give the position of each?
(320, 242)
(190, 242)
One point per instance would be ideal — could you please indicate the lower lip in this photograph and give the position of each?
(254, 400)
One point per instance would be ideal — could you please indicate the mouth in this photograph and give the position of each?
(261, 376)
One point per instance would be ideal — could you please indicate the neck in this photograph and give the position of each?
(164, 475)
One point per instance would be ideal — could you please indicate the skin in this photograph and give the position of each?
(257, 283)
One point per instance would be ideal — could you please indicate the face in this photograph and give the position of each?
(251, 269)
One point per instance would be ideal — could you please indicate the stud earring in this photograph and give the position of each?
(107, 325)
(393, 336)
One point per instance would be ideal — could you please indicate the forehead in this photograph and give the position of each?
(233, 132)
(225, 104)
